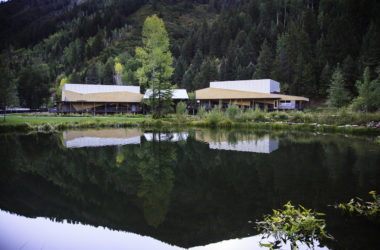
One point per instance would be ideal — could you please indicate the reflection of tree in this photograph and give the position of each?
(155, 167)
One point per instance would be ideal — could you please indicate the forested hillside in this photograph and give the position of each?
(299, 43)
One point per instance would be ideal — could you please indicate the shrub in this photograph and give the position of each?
(215, 116)
(258, 115)
(292, 225)
(297, 117)
(273, 115)
(226, 123)
(245, 116)
(181, 111)
(356, 205)
(282, 116)
(202, 113)
(233, 112)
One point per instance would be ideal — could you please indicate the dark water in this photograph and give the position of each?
(184, 189)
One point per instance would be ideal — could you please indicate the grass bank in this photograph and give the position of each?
(274, 121)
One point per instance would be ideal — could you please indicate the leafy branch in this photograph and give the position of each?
(357, 205)
(293, 225)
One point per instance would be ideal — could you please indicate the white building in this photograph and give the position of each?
(248, 93)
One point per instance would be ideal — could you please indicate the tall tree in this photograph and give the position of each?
(156, 61)
(33, 85)
(264, 62)
(7, 93)
(338, 95)
(369, 92)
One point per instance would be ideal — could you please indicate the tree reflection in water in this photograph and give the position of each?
(156, 162)
(185, 190)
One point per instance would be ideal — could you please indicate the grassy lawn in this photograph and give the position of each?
(325, 121)
(14, 119)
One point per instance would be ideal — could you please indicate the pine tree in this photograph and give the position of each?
(156, 61)
(349, 74)
(324, 80)
(264, 62)
(369, 92)
(338, 95)
(8, 90)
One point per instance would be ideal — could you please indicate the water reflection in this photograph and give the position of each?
(19, 232)
(239, 142)
(176, 188)
(99, 138)
(166, 136)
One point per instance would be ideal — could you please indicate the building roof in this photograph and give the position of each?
(100, 93)
(95, 88)
(121, 96)
(259, 85)
(220, 94)
(176, 94)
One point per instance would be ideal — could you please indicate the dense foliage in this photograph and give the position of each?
(298, 43)
(369, 209)
(156, 61)
(296, 225)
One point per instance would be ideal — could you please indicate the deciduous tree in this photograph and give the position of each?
(156, 64)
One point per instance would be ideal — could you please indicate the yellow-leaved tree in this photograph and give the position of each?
(156, 70)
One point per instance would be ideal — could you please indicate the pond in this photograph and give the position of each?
(141, 189)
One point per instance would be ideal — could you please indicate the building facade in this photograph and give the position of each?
(106, 99)
(263, 93)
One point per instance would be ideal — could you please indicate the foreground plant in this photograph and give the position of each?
(356, 205)
(293, 225)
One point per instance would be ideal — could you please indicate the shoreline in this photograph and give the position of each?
(123, 122)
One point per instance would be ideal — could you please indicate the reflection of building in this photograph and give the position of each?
(99, 138)
(170, 137)
(264, 144)
(248, 93)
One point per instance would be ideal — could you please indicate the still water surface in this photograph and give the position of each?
(203, 189)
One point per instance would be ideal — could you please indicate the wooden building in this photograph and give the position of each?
(105, 99)
(264, 93)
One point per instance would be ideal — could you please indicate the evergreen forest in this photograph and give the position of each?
(300, 43)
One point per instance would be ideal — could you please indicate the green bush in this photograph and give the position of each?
(202, 113)
(215, 116)
(297, 117)
(258, 115)
(226, 123)
(245, 116)
(282, 116)
(181, 111)
(294, 225)
(233, 111)
(368, 209)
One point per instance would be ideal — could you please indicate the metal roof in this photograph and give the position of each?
(93, 88)
(117, 96)
(220, 94)
(176, 94)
